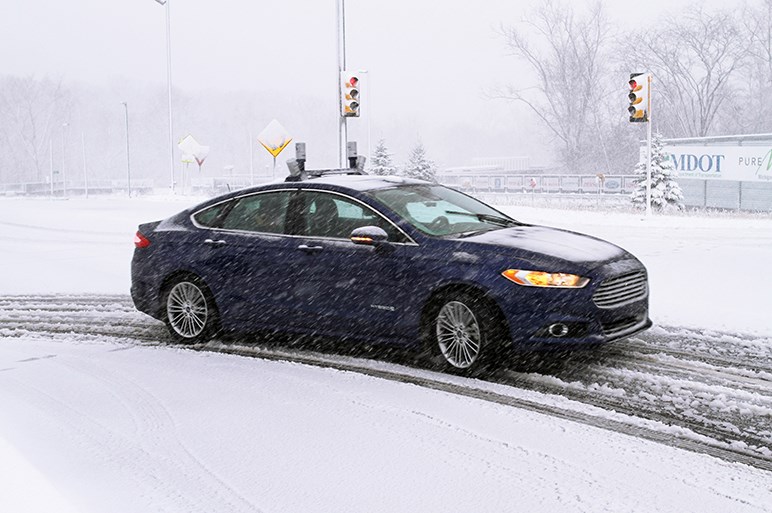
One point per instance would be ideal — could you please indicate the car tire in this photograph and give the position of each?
(189, 310)
(460, 330)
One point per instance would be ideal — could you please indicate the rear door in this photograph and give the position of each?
(249, 249)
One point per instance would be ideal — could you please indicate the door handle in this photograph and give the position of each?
(215, 243)
(310, 249)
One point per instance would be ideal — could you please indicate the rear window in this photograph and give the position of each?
(209, 217)
(264, 212)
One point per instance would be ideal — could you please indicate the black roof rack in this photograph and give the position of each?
(304, 174)
(298, 171)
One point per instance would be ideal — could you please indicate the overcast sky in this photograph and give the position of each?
(429, 62)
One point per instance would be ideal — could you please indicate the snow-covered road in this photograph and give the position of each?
(123, 427)
(716, 401)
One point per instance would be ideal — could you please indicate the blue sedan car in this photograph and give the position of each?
(387, 260)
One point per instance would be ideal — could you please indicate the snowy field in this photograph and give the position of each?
(93, 425)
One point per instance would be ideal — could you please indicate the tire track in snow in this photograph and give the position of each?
(159, 440)
(733, 364)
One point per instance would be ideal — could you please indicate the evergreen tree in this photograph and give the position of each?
(666, 194)
(381, 163)
(420, 167)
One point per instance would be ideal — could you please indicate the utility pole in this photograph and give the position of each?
(251, 160)
(169, 88)
(64, 173)
(648, 152)
(640, 96)
(128, 157)
(369, 112)
(51, 150)
(85, 172)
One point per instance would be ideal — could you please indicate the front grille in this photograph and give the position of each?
(621, 290)
(612, 328)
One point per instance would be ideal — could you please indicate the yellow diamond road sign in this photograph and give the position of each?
(274, 138)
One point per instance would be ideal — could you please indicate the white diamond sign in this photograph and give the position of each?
(192, 151)
(189, 145)
(274, 138)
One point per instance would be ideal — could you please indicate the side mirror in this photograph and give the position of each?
(369, 236)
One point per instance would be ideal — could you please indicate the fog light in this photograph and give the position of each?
(558, 330)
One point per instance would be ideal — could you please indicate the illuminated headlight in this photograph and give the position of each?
(544, 279)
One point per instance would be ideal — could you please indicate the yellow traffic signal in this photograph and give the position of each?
(349, 90)
(639, 97)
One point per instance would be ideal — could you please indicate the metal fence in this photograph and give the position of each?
(483, 183)
(614, 189)
(75, 188)
(543, 190)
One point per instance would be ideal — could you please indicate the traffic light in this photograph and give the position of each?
(349, 90)
(639, 98)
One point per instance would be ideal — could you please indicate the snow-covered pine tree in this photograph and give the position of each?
(666, 194)
(381, 163)
(420, 167)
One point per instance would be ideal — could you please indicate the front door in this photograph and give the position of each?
(341, 287)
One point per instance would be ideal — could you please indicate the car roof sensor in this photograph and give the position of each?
(299, 173)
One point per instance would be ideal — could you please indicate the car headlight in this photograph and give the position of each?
(545, 279)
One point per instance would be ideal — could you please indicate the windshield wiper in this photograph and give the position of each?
(502, 221)
(464, 235)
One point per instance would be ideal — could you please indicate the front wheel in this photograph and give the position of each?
(191, 316)
(459, 332)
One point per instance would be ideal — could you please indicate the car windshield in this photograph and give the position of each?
(440, 211)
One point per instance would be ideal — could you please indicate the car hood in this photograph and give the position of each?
(551, 242)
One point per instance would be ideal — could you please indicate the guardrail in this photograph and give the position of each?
(76, 188)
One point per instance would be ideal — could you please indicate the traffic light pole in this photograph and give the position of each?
(648, 152)
(342, 128)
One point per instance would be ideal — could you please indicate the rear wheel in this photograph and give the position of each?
(191, 316)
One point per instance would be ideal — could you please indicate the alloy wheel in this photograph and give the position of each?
(186, 309)
(458, 334)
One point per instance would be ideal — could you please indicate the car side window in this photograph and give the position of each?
(210, 216)
(265, 213)
(333, 216)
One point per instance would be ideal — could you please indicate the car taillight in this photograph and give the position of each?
(141, 241)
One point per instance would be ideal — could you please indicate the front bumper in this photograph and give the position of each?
(581, 316)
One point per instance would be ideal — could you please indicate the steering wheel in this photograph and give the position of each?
(439, 224)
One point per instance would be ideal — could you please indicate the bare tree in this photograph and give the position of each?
(758, 23)
(748, 110)
(693, 58)
(567, 55)
(29, 108)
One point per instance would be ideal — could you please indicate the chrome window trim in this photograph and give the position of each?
(411, 241)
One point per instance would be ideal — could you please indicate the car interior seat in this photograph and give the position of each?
(324, 221)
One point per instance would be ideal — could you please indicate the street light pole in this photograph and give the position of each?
(128, 154)
(166, 3)
(251, 161)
